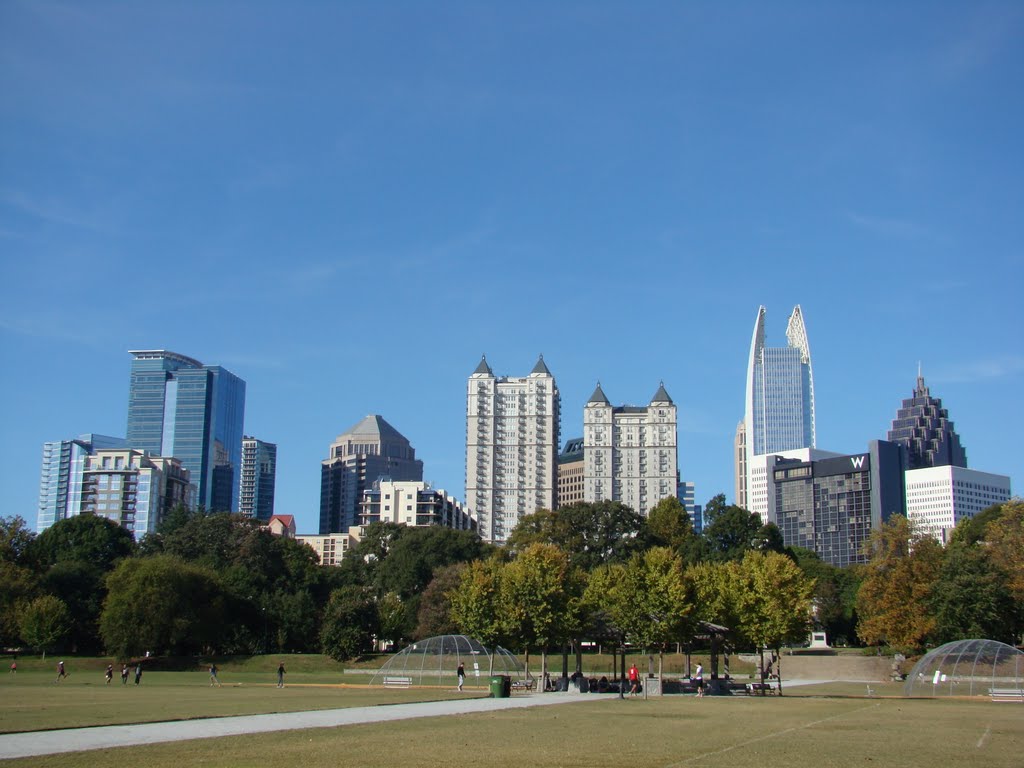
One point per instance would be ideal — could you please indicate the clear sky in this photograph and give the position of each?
(347, 203)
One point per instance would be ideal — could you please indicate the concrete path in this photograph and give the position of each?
(107, 736)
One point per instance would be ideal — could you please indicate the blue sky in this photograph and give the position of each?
(347, 203)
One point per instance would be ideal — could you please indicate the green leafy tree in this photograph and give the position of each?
(410, 563)
(350, 623)
(82, 587)
(476, 604)
(83, 538)
(45, 623)
(654, 604)
(592, 534)
(894, 599)
(729, 531)
(535, 592)
(391, 618)
(15, 539)
(162, 604)
(835, 595)
(773, 600)
(669, 525)
(434, 611)
(971, 599)
(20, 586)
(1004, 540)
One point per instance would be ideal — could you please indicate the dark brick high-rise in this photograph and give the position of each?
(923, 426)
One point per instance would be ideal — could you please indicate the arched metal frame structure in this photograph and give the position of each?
(966, 668)
(433, 662)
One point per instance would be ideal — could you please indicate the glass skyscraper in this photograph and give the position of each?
(779, 407)
(780, 390)
(179, 407)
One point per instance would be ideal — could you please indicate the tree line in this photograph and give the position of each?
(218, 583)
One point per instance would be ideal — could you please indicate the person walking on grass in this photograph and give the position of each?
(109, 674)
(634, 681)
(61, 674)
(699, 677)
(213, 676)
(14, 667)
(124, 674)
(138, 673)
(461, 674)
(280, 675)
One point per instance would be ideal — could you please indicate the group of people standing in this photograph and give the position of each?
(125, 672)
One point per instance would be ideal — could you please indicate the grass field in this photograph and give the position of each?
(814, 726)
(817, 727)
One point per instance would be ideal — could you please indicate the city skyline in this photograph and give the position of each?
(347, 206)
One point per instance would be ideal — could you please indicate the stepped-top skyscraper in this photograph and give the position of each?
(923, 426)
(512, 438)
(370, 450)
(179, 407)
(779, 407)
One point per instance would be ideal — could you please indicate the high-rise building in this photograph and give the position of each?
(571, 470)
(939, 497)
(923, 426)
(368, 451)
(760, 491)
(688, 498)
(179, 407)
(134, 489)
(630, 451)
(412, 503)
(258, 477)
(512, 438)
(779, 407)
(830, 506)
(60, 483)
(739, 449)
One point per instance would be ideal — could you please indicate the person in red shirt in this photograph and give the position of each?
(634, 680)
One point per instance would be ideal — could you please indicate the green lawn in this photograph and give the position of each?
(817, 727)
(31, 700)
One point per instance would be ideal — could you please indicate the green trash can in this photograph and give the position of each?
(501, 687)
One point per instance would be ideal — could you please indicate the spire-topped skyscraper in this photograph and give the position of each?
(779, 404)
(923, 426)
(630, 451)
(512, 444)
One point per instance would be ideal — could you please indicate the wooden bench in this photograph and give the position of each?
(524, 686)
(1007, 694)
(392, 681)
(761, 689)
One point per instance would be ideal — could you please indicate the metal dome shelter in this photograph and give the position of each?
(433, 661)
(966, 668)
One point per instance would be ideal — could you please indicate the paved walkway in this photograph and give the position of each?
(107, 736)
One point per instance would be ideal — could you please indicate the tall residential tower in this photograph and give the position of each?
(630, 451)
(512, 438)
(259, 476)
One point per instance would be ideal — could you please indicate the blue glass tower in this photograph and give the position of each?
(780, 390)
(179, 407)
